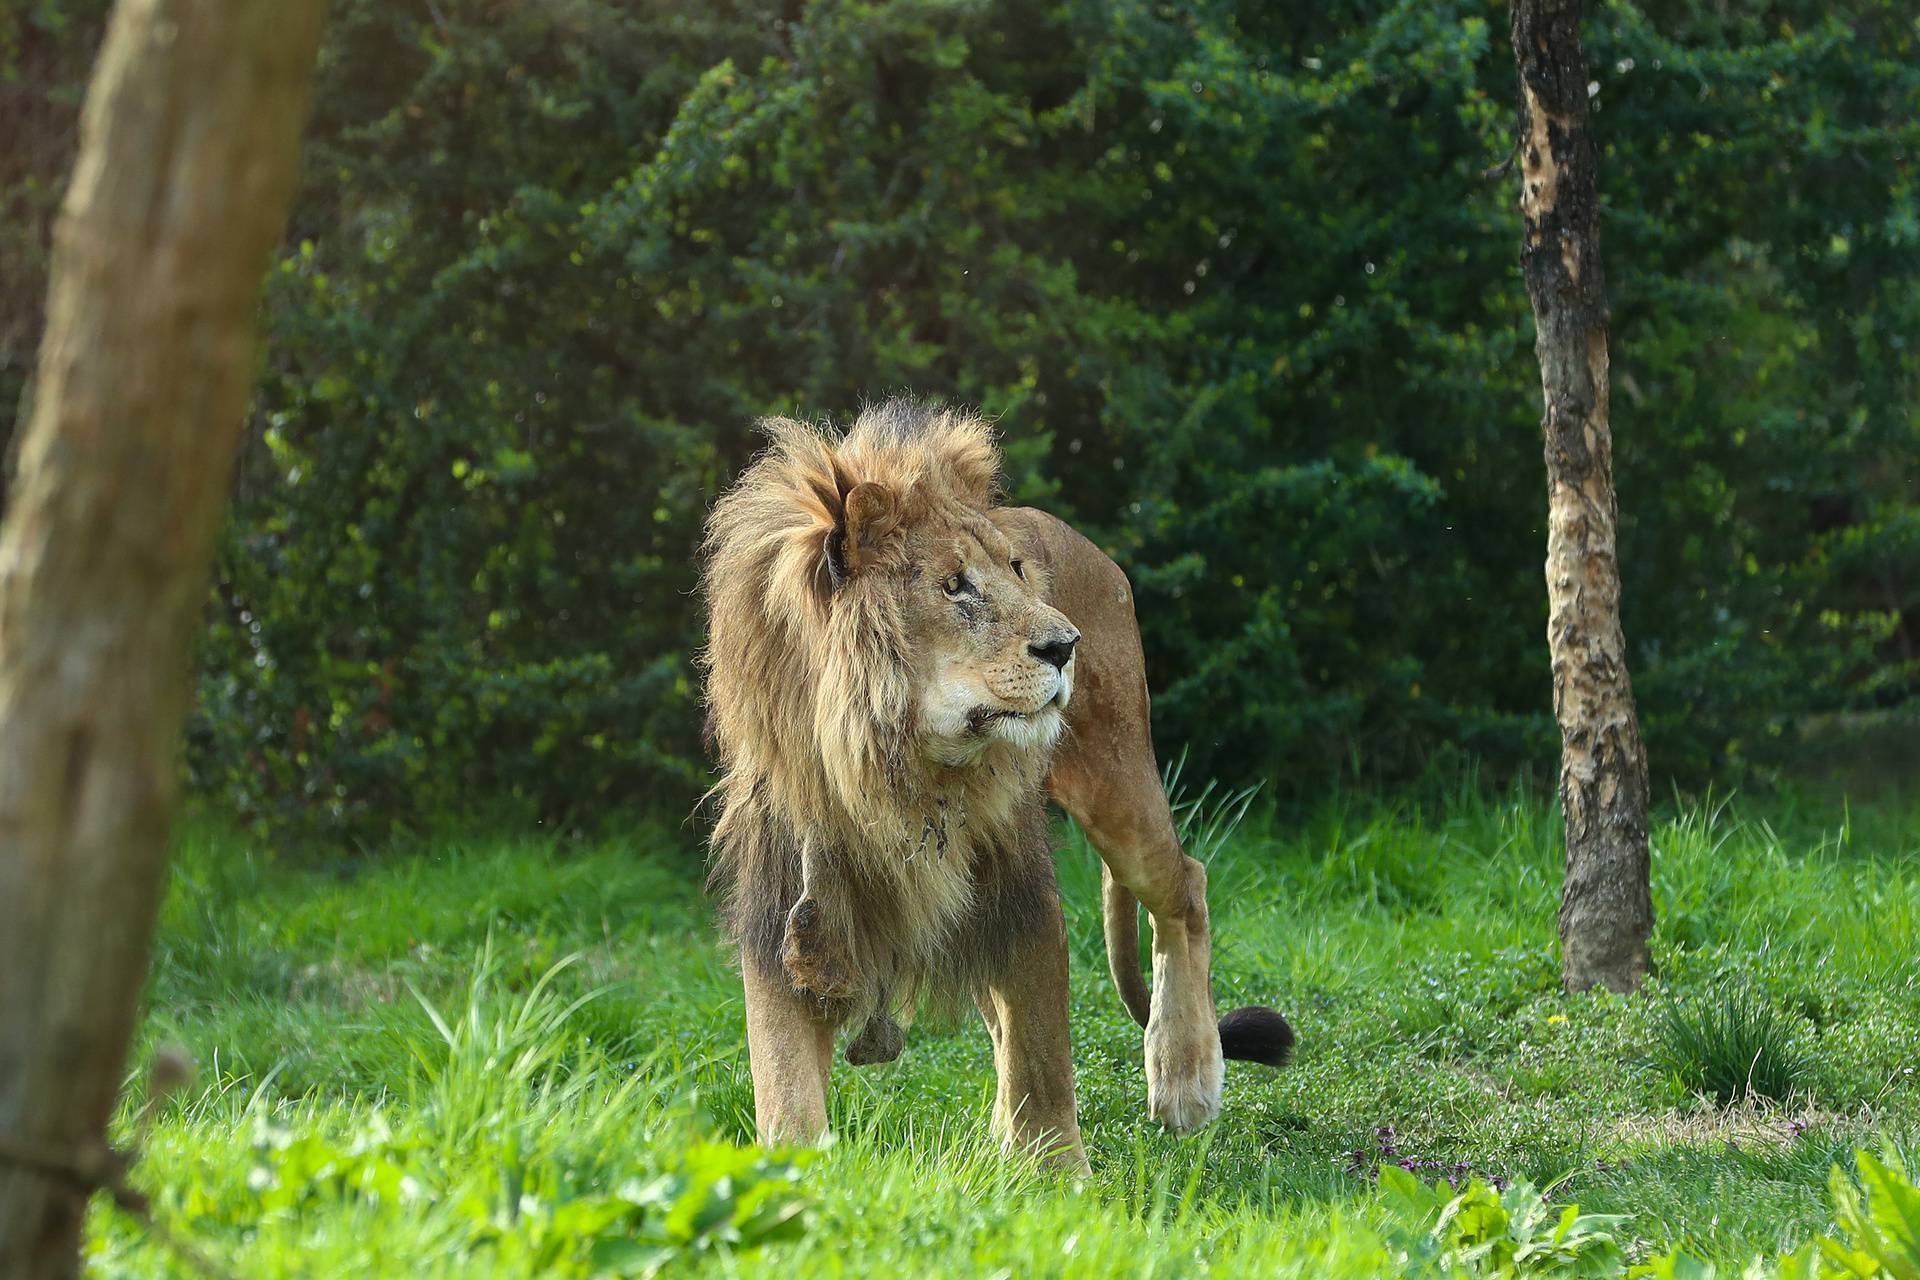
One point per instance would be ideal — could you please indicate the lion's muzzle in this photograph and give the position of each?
(1056, 648)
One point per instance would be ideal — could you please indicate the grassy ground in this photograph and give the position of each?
(485, 1058)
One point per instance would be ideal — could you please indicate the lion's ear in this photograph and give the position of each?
(868, 516)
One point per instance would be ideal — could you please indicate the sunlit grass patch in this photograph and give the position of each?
(387, 1051)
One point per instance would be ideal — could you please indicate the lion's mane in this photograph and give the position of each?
(812, 695)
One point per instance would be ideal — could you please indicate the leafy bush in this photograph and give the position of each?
(1230, 277)
(1879, 1221)
(1731, 1049)
(515, 1073)
(548, 1217)
(1484, 1232)
(1231, 280)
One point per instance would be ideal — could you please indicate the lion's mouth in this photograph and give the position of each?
(982, 719)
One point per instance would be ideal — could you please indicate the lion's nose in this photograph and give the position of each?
(1057, 650)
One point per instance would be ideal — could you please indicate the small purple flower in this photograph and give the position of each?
(1455, 1173)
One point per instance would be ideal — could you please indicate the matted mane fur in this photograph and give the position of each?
(812, 691)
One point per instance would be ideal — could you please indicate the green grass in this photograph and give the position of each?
(466, 1059)
(1731, 1048)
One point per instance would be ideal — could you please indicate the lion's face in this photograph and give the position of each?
(874, 650)
(996, 661)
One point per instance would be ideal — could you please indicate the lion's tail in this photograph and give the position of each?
(1250, 1034)
(1120, 913)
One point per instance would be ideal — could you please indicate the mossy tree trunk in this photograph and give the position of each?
(1606, 905)
(186, 167)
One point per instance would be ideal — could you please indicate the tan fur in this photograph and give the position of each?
(815, 689)
(1104, 774)
(883, 746)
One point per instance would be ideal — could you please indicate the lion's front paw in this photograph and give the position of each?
(1184, 1077)
(816, 962)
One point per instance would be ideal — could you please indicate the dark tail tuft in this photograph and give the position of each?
(1254, 1034)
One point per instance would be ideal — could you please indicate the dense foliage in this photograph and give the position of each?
(1233, 278)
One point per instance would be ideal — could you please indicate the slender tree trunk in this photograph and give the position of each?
(187, 164)
(1606, 906)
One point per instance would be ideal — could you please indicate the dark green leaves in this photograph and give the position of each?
(1229, 276)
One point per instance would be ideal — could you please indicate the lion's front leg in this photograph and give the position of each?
(790, 1048)
(814, 951)
(815, 955)
(1025, 1010)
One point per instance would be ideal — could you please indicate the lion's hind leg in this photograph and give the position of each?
(1127, 820)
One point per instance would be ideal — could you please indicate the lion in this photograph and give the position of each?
(899, 672)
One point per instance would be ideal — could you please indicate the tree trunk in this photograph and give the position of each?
(187, 164)
(1606, 906)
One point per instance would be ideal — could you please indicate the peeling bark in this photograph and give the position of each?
(1606, 906)
(186, 168)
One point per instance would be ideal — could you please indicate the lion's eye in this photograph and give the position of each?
(1019, 568)
(956, 583)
